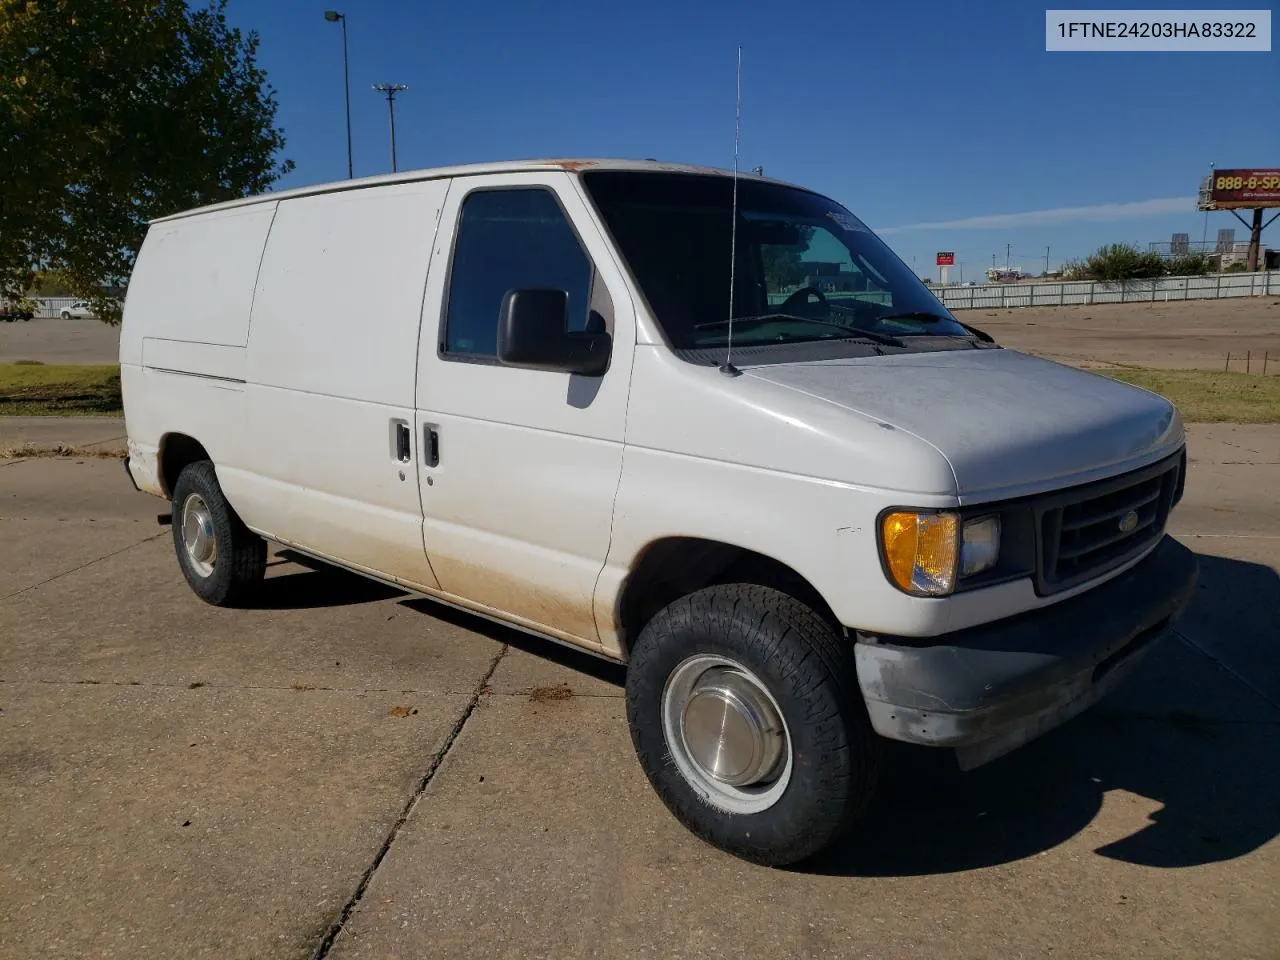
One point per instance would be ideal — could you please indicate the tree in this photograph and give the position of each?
(112, 114)
(1114, 262)
(782, 264)
(1189, 265)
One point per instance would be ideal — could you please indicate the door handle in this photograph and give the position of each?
(401, 434)
(430, 445)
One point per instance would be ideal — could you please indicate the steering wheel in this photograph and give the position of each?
(800, 300)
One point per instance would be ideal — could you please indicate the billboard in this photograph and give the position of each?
(1245, 188)
(946, 258)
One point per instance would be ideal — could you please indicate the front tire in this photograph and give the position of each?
(66, 314)
(222, 559)
(747, 719)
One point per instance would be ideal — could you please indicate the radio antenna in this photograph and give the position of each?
(727, 368)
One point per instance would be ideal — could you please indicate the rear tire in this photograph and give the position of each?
(222, 559)
(753, 645)
(66, 314)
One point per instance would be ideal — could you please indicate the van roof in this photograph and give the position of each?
(463, 170)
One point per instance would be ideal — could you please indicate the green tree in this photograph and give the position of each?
(52, 283)
(1115, 262)
(1189, 265)
(111, 114)
(782, 264)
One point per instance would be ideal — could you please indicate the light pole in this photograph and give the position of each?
(390, 90)
(333, 16)
(1204, 234)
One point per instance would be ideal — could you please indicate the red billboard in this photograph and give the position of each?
(946, 259)
(1245, 188)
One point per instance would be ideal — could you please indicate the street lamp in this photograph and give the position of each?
(333, 16)
(390, 90)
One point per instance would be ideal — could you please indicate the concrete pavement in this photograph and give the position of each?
(347, 772)
(100, 435)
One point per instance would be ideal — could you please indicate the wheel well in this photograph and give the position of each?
(178, 451)
(670, 568)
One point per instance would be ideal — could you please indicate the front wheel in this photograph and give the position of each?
(66, 314)
(746, 716)
(222, 559)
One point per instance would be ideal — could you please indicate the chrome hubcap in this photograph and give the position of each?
(726, 734)
(197, 535)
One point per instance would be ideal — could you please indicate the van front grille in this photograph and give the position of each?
(1088, 531)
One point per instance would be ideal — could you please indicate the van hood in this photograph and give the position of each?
(1008, 423)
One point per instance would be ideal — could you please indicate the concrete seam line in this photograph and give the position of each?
(1231, 536)
(292, 688)
(89, 563)
(1225, 667)
(322, 951)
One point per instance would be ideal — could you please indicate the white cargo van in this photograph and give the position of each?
(845, 516)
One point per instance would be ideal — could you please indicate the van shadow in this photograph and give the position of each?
(570, 657)
(319, 585)
(1183, 732)
(323, 585)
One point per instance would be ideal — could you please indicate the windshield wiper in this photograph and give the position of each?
(924, 316)
(850, 333)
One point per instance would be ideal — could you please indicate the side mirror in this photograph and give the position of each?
(532, 335)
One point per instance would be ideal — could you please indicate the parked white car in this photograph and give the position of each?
(80, 310)
(840, 518)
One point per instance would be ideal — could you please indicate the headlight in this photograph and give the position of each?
(979, 545)
(924, 551)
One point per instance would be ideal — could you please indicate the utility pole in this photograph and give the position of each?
(1046, 260)
(333, 16)
(1255, 240)
(390, 90)
(1008, 249)
(1204, 234)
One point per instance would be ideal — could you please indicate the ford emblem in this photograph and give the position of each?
(1129, 521)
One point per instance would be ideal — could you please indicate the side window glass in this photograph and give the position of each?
(510, 240)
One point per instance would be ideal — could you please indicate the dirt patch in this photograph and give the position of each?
(26, 451)
(561, 691)
(1188, 335)
(402, 711)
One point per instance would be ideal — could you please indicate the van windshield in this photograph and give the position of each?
(805, 270)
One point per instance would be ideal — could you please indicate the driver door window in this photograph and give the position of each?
(509, 240)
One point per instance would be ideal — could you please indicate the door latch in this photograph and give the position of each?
(401, 441)
(430, 445)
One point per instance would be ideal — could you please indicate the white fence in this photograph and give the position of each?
(1001, 295)
(1009, 295)
(52, 306)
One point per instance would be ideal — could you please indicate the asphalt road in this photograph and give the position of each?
(54, 340)
(347, 772)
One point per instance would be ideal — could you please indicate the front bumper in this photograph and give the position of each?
(990, 689)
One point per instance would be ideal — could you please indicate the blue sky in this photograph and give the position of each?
(907, 113)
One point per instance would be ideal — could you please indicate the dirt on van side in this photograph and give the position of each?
(1194, 334)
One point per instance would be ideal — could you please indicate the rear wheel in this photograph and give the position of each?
(222, 559)
(66, 314)
(746, 716)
